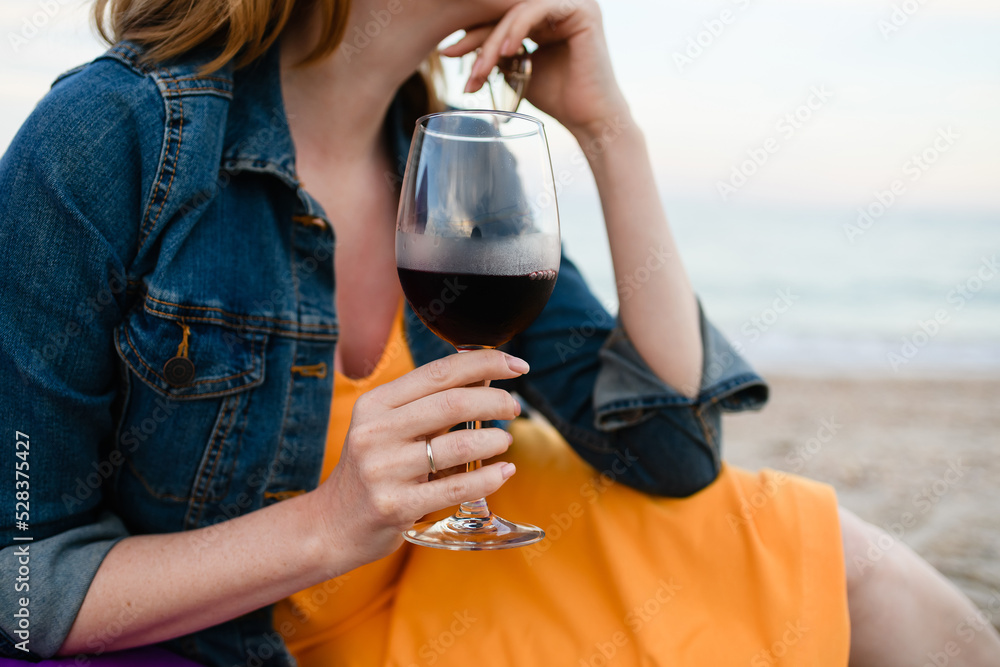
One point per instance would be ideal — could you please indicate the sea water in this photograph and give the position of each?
(797, 291)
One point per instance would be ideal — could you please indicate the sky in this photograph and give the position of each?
(774, 126)
(889, 93)
(705, 99)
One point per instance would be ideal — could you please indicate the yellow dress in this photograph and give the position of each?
(749, 571)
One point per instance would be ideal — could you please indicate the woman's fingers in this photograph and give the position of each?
(452, 449)
(472, 40)
(506, 38)
(431, 496)
(444, 409)
(489, 50)
(455, 370)
(384, 463)
(523, 25)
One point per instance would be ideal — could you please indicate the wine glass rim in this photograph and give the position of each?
(539, 127)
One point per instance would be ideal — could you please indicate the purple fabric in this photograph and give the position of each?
(138, 657)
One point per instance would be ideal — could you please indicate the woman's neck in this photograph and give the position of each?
(336, 106)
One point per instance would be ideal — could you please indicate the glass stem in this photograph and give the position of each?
(473, 509)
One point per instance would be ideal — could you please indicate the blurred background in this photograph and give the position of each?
(831, 171)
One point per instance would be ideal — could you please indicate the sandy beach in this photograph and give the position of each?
(918, 457)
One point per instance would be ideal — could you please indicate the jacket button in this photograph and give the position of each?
(178, 371)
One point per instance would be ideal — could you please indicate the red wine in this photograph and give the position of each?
(471, 310)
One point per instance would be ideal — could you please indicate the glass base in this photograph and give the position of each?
(464, 533)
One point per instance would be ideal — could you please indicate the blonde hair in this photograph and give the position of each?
(239, 30)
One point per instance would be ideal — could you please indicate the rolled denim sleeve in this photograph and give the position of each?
(589, 380)
(61, 568)
(627, 392)
(678, 439)
(71, 184)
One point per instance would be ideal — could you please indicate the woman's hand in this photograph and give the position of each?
(380, 487)
(571, 79)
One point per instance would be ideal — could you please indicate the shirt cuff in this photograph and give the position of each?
(628, 392)
(60, 569)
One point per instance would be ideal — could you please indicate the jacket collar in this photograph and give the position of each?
(257, 134)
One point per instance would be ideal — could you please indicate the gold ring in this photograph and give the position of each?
(430, 456)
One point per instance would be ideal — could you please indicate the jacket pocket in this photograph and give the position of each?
(181, 431)
(186, 359)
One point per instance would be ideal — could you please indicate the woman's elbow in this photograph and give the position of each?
(668, 462)
(679, 482)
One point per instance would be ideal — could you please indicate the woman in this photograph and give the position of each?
(169, 214)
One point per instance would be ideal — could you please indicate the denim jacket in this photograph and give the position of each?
(167, 331)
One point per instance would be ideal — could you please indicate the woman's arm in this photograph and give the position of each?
(175, 584)
(657, 306)
(650, 388)
(573, 82)
(162, 586)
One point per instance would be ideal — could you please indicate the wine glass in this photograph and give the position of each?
(477, 251)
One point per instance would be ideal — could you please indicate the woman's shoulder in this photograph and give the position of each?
(117, 104)
(119, 90)
(94, 103)
(115, 126)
